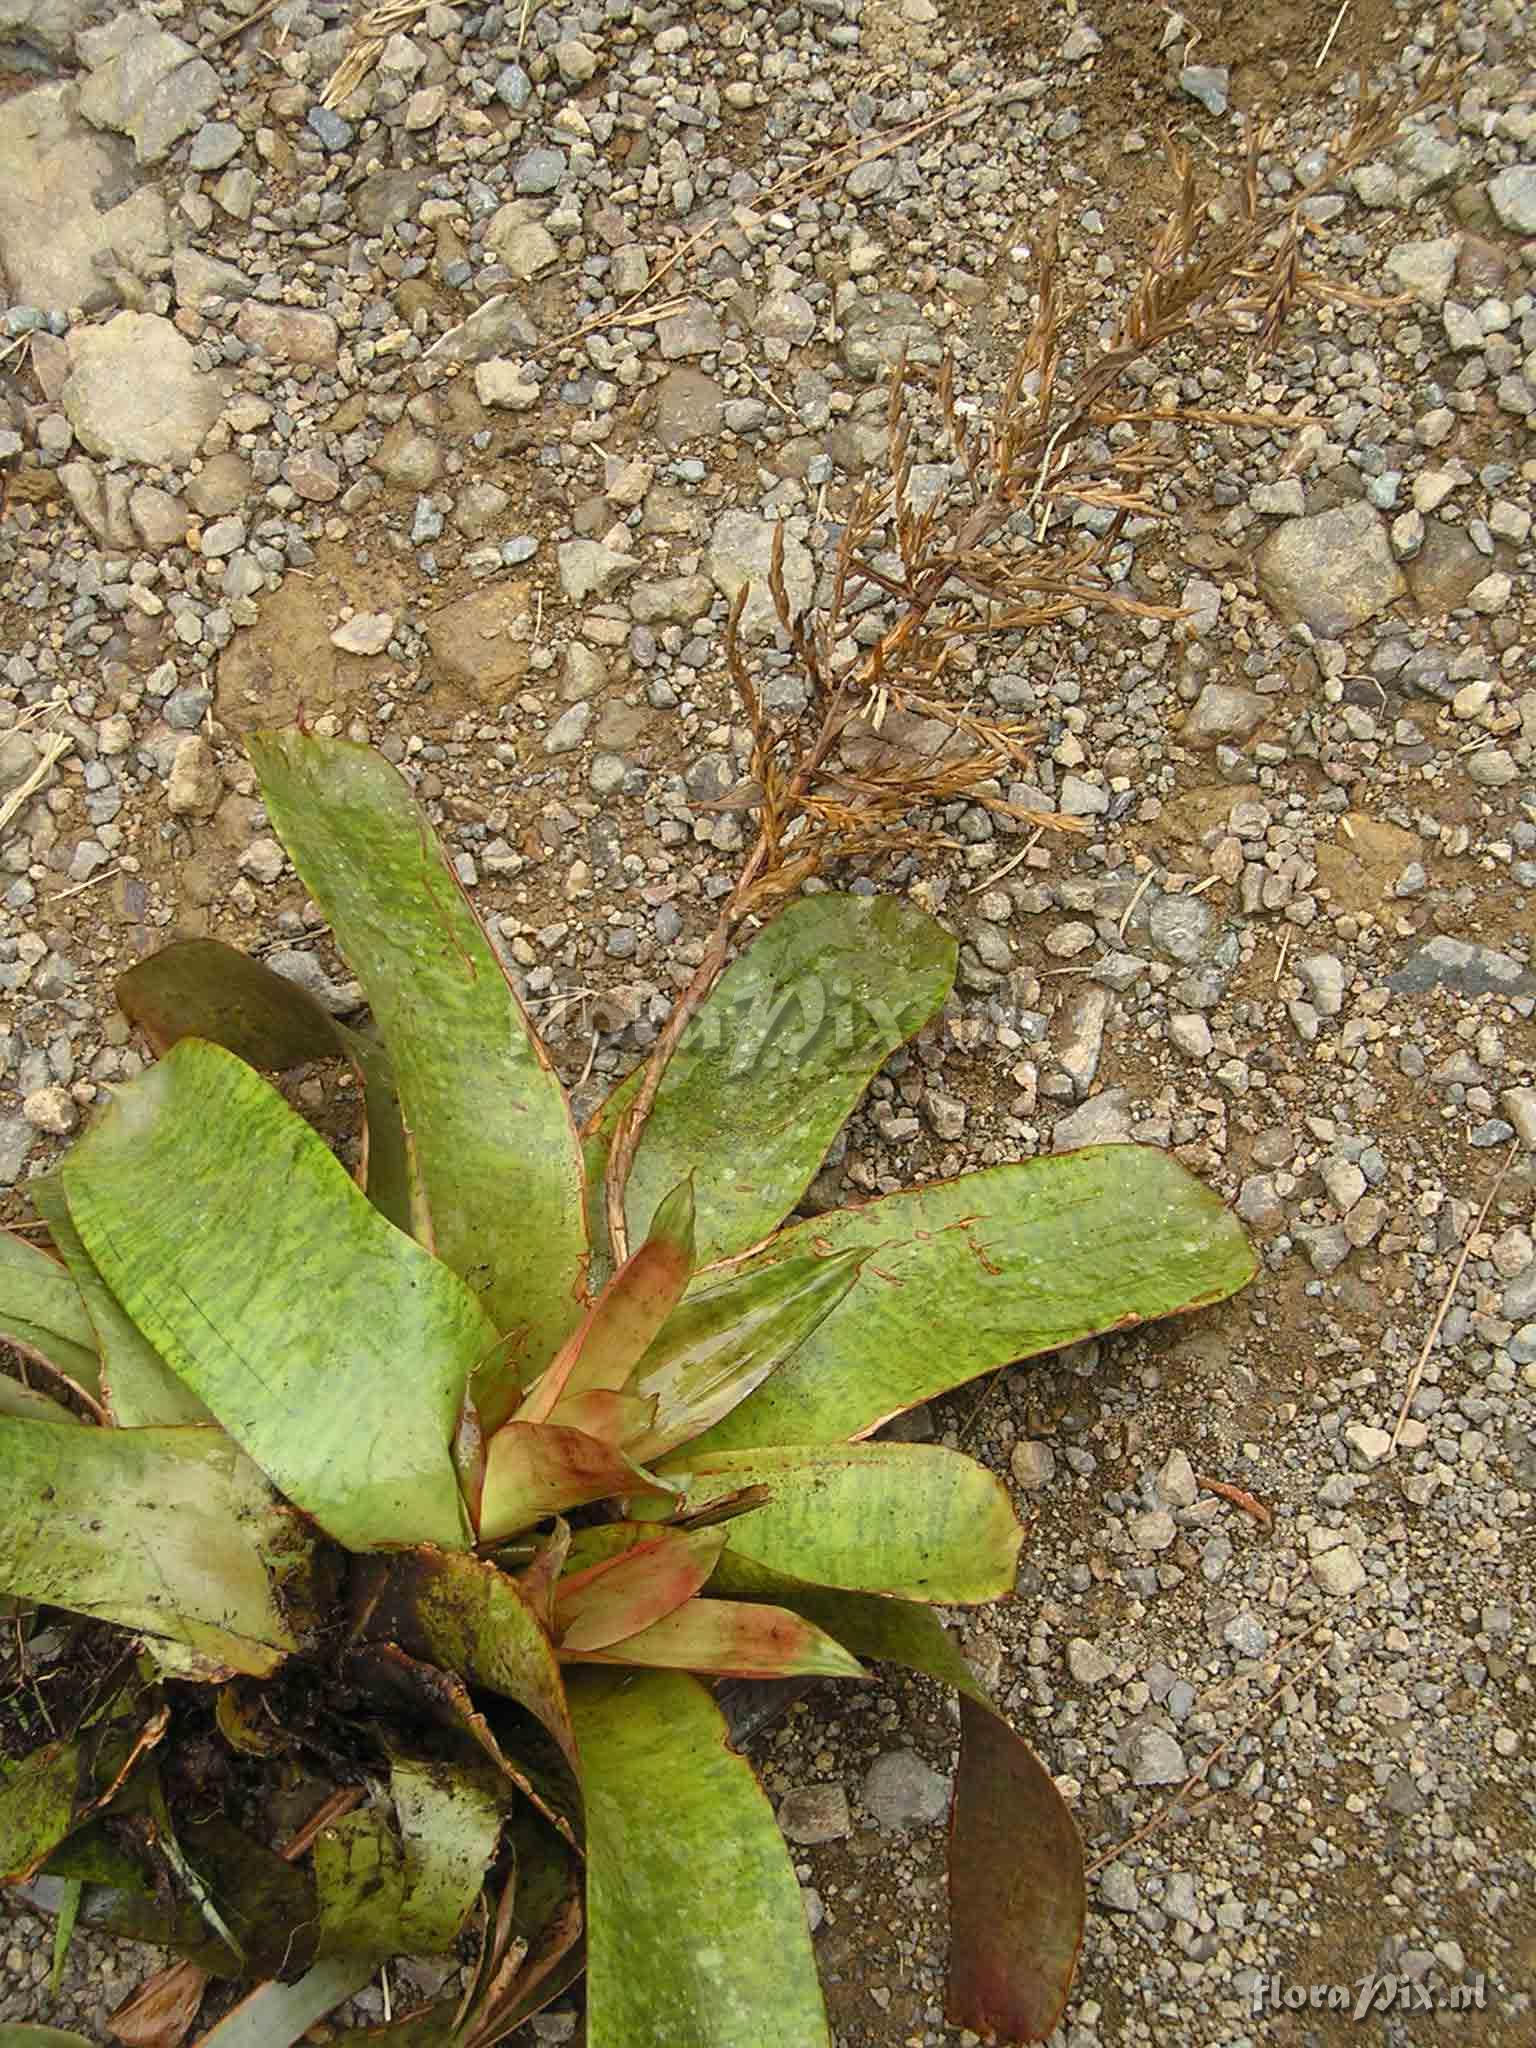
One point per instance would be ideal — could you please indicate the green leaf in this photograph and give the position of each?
(463, 1614)
(499, 1160)
(360, 1884)
(41, 1313)
(170, 1532)
(449, 1816)
(775, 1062)
(730, 1639)
(696, 1928)
(978, 1272)
(1015, 1858)
(726, 1339)
(201, 988)
(910, 1519)
(332, 1347)
(426, 1693)
(137, 1385)
(277, 2015)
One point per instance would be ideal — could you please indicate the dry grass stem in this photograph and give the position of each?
(893, 726)
(1448, 1297)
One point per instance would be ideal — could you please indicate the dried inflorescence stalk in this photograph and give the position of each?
(889, 731)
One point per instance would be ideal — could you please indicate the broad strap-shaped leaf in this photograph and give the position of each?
(634, 1587)
(775, 1062)
(728, 1337)
(201, 988)
(171, 1532)
(1001, 1265)
(331, 1346)
(534, 1469)
(466, 1616)
(276, 2015)
(1015, 1886)
(730, 1639)
(696, 1931)
(499, 1161)
(602, 1352)
(41, 1313)
(137, 1386)
(909, 1519)
(1015, 1858)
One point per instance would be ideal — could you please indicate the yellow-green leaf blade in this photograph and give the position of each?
(201, 988)
(331, 1346)
(696, 1929)
(498, 1156)
(975, 1273)
(171, 1532)
(42, 1314)
(914, 1520)
(775, 1061)
(137, 1386)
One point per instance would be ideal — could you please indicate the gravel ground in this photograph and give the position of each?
(336, 409)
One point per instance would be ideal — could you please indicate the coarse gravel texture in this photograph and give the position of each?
(337, 411)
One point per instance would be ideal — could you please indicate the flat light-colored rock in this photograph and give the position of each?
(195, 786)
(153, 87)
(1334, 570)
(588, 569)
(1425, 268)
(134, 391)
(741, 551)
(59, 209)
(364, 633)
(472, 642)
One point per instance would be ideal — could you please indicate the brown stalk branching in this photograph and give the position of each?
(890, 732)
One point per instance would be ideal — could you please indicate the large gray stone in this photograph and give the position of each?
(71, 208)
(741, 551)
(147, 84)
(135, 391)
(493, 329)
(1334, 570)
(1513, 193)
(44, 27)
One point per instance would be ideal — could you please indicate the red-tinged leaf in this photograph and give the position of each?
(535, 1469)
(617, 1419)
(633, 1589)
(617, 1330)
(1015, 1886)
(464, 1615)
(1015, 1861)
(733, 1638)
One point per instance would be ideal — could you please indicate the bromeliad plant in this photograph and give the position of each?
(428, 1510)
